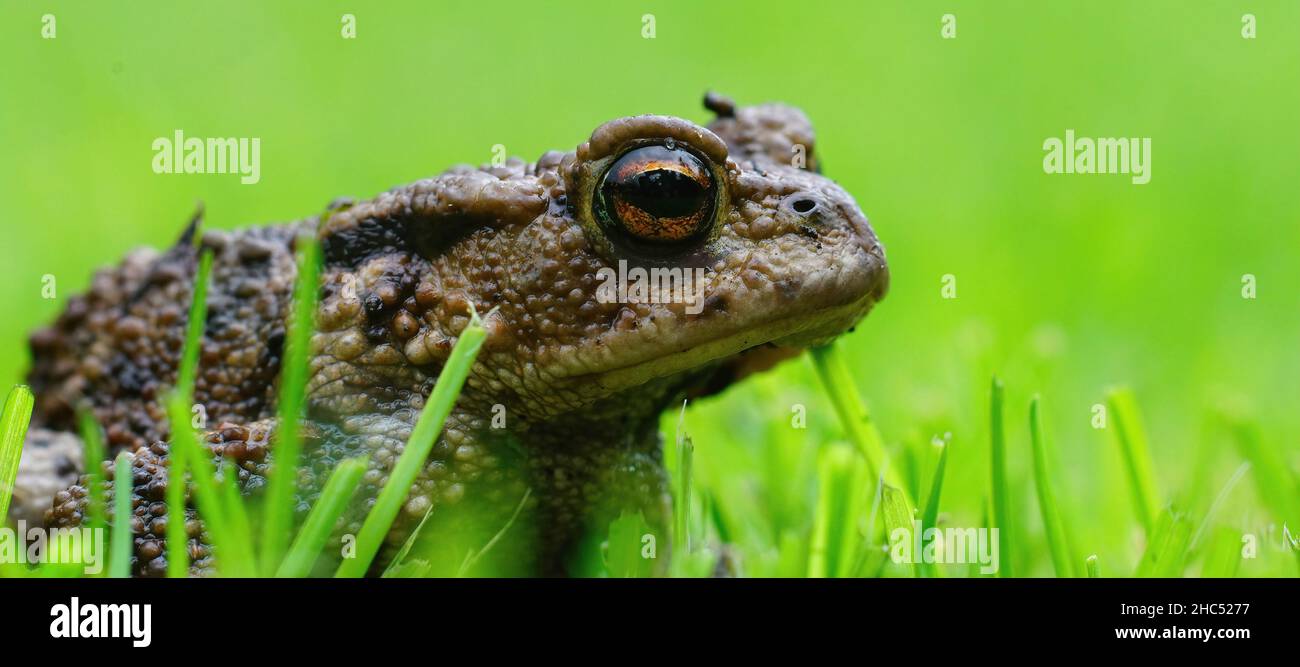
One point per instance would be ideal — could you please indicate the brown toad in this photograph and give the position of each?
(562, 406)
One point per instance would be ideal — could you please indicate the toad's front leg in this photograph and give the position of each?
(514, 502)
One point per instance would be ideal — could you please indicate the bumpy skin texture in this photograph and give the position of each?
(50, 463)
(788, 258)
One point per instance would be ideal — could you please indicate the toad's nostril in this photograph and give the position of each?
(804, 205)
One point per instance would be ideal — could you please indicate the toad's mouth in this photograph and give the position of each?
(793, 312)
(784, 337)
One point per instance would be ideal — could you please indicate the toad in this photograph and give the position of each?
(759, 256)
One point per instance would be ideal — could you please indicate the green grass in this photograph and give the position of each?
(1053, 525)
(194, 326)
(119, 559)
(1274, 479)
(1166, 551)
(222, 513)
(845, 489)
(474, 556)
(1001, 493)
(897, 516)
(862, 432)
(13, 428)
(622, 557)
(1132, 440)
(320, 520)
(1219, 501)
(931, 516)
(423, 436)
(232, 546)
(682, 479)
(695, 521)
(1223, 558)
(843, 524)
(178, 408)
(92, 438)
(293, 382)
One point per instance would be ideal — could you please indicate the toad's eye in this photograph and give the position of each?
(658, 194)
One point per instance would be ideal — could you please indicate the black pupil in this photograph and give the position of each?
(663, 193)
(646, 178)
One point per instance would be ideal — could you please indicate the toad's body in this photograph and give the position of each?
(559, 417)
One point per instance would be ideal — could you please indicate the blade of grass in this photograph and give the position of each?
(177, 538)
(898, 517)
(843, 391)
(194, 327)
(241, 533)
(320, 520)
(93, 442)
(841, 494)
(278, 518)
(931, 517)
(1094, 570)
(986, 520)
(865, 556)
(1218, 501)
(178, 557)
(473, 558)
(1277, 487)
(398, 566)
(1291, 541)
(1052, 524)
(857, 422)
(232, 557)
(421, 442)
(1223, 556)
(718, 521)
(61, 560)
(233, 547)
(1167, 546)
(1001, 493)
(622, 554)
(1136, 454)
(14, 421)
(200, 467)
(682, 492)
(178, 415)
(910, 465)
(791, 556)
(119, 561)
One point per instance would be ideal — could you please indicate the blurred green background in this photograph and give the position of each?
(1067, 285)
